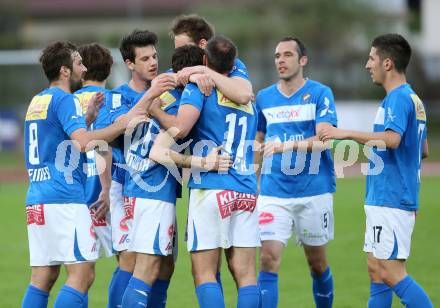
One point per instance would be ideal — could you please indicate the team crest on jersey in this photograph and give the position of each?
(167, 99)
(35, 214)
(38, 107)
(84, 98)
(420, 109)
(224, 101)
(231, 201)
(306, 98)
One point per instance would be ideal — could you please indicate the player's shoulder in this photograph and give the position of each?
(403, 95)
(317, 87)
(267, 92)
(190, 89)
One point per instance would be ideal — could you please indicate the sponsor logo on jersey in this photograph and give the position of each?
(266, 218)
(38, 107)
(231, 201)
(286, 114)
(226, 102)
(35, 214)
(84, 98)
(167, 99)
(420, 109)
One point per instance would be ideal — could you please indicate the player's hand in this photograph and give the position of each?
(184, 74)
(330, 132)
(160, 84)
(204, 82)
(217, 161)
(134, 117)
(271, 147)
(102, 205)
(93, 106)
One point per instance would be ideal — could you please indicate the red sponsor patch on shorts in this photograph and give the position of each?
(265, 218)
(97, 222)
(35, 214)
(231, 201)
(171, 231)
(129, 203)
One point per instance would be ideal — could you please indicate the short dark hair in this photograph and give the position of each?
(301, 48)
(196, 27)
(98, 61)
(221, 53)
(186, 56)
(394, 47)
(56, 55)
(137, 38)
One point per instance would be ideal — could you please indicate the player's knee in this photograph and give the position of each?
(167, 268)
(317, 265)
(270, 262)
(127, 261)
(242, 272)
(45, 281)
(374, 271)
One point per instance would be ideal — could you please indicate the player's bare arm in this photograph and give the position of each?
(237, 89)
(162, 153)
(184, 121)
(103, 164)
(309, 144)
(425, 152)
(389, 138)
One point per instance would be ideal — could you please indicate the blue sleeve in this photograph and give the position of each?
(239, 70)
(325, 108)
(261, 118)
(397, 112)
(192, 96)
(69, 113)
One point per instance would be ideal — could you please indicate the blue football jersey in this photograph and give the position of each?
(146, 178)
(398, 184)
(54, 165)
(232, 126)
(93, 185)
(118, 102)
(294, 118)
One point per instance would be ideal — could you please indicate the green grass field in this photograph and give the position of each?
(345, 254)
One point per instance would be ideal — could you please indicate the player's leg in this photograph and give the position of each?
(381, 295)
(80, 277)
(270, 261)
(321, 275)
(121, 220)
(152, 238)
(275, 223)
(314, 223)
(411, 294)
(390, 229)
(204, 269)
(241, 263)
(205, 232)
(159, 289)
(145, 274)
(42, 280)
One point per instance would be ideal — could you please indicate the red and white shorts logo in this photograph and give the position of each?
(266, 218)
(97, 222)
(231, 201)
(129, 203)
(35, 214)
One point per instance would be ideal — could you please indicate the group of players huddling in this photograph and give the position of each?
(105, 171)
